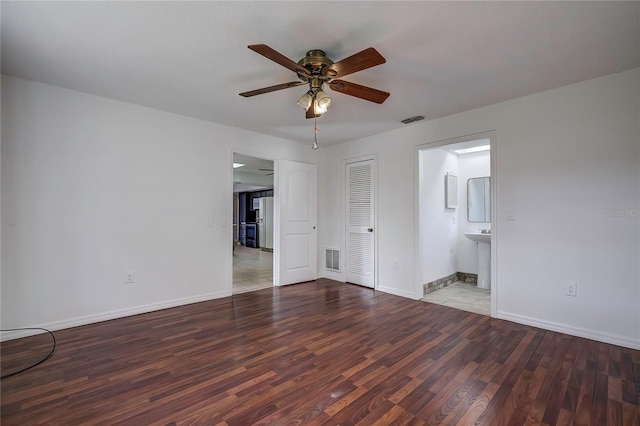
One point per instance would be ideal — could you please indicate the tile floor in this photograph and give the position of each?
(462, 296)
(252, 269)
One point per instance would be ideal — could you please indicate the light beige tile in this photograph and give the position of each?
(252, 269)
(462, 296)
(436, 298)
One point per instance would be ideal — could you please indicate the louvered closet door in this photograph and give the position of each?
(360, 215)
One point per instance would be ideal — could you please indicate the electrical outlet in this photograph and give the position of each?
(394, 265)
(130, 277)
(571, 289)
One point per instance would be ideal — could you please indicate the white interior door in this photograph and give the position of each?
(296, 207)
(360, 220)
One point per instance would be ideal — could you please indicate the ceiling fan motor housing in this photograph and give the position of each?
(315, 61)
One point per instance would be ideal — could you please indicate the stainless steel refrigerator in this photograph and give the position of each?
(265, 223)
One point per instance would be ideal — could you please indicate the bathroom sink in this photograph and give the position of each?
(478, 237)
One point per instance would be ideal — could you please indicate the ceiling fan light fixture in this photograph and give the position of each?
(318, 110)
(322, 100)
(305, 101)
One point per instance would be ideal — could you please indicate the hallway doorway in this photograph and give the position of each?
(253, 226)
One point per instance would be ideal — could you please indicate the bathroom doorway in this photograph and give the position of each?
(253, 224)
(454, 264)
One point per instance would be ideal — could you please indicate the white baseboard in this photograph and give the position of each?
(330, 275)
(119, 313)
(338, 277)
(613, 339)
(397, 292)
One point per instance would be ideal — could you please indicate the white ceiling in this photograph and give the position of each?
(191, 58)
(256, 174)
(253, 165)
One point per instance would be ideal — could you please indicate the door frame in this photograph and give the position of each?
(276, 217)
(493, 155)
(345, 162)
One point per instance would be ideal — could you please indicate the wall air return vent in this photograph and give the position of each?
(332, 260)
(413, 119)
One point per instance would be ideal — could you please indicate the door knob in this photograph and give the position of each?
(369, 229)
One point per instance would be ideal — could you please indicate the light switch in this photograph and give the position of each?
(510, 214)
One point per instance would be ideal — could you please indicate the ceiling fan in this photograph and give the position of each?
(267, 170)
(316, 69)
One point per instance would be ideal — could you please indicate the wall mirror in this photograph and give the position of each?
(479, 199)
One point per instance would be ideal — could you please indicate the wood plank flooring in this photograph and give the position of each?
(318, 353)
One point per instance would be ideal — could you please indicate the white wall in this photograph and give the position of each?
(93, 187)
(394, 215)
(565, 160)
(473, 165)
(439, 230)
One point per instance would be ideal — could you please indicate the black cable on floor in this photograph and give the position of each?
(53, 348)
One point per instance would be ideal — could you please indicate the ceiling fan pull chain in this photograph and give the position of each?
(315, 133)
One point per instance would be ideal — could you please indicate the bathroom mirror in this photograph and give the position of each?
(479, 199)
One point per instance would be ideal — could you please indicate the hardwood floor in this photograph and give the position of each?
(319, 353)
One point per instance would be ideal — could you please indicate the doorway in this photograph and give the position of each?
(253, 225)
(455, 267)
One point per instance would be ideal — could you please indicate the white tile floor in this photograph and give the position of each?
(252, 269)
(466, 297)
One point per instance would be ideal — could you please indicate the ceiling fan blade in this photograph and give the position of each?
(359, 91)
(278, 58)
(272, 88)
(360, 61)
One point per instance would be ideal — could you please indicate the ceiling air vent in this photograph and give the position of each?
(412, 119)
